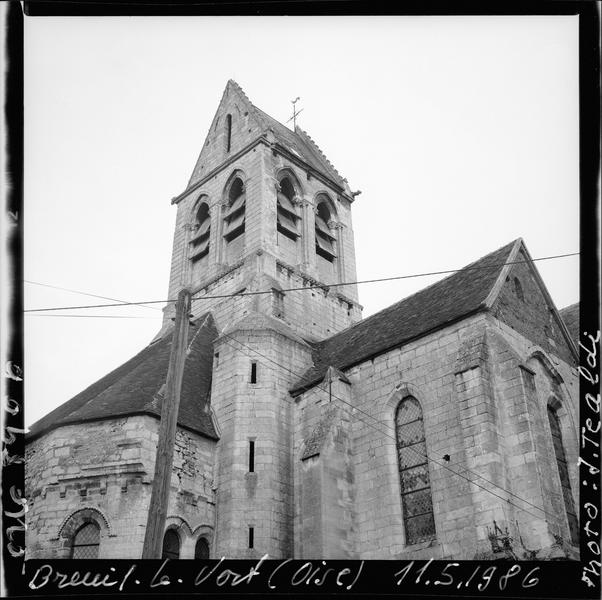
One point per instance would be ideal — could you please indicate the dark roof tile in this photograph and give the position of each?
(438, 305)
(133, 388)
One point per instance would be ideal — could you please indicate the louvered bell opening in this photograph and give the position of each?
(238, 204)
(287, 220)
(325, 247)
(322, 227)
(202, 230)
(234, 225)
(285, 204)
(200, 248)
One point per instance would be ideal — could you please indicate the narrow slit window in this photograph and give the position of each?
(251, 537)
(251, 456)
(228, 132)
(253, 372)
(216, 360)
(518, 289)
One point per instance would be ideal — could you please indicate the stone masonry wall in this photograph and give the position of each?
(105, 468)
(260, 412)
(475, 410)
(530, 316)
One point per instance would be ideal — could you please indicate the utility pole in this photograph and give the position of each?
(157, 513)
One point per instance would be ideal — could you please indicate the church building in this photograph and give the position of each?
(444, 426)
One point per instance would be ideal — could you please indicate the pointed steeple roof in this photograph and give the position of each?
(297, 144)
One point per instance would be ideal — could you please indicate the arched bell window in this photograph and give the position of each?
(234, 221)
(200, 240)
(325, 241)
(417, 503)
(287, 218)
(563, 472)
(86, 542)
(201, 549)
(171, 545)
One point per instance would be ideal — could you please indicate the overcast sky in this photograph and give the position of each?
(461, 133)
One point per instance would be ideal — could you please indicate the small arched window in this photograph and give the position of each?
(518, 289)
(200, 240)
(325, 241)
(228, 132)
(201, 549)
(86, 542)
(287, 218)
(235, 215)
(414, 477)
(171, 545)
(563, 472)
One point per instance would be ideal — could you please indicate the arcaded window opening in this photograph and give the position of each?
(325, 241)
(201, 549)
(286, 215)
(171, 545)
(235, 215)
(86, 542)
(417, 502)
(200, 240)
(563, 472)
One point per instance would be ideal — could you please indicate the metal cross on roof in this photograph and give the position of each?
(295, 112)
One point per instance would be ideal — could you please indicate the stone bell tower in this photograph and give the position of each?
(264, 212)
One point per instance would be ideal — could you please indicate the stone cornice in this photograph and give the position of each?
(276, 147)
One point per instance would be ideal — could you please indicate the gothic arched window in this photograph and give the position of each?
(200, 240)
(287, 218)
(86, 541)
(171, 545)
(235, 214)
(563, 472)
(325, 241)
(201, 550)
(414, 477)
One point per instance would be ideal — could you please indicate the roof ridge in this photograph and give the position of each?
(305, 136)
(254, 108)
(420, 291)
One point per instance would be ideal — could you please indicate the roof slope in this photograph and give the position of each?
(438, 305)
(570, 316)
(303, 145)
(133, 388)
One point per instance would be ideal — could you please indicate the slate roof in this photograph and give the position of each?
(436, 306)
(570, 316)
(133, 387)
(304, 146)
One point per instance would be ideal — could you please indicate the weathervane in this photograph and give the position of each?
(295, 112)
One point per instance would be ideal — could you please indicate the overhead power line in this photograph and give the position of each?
(64, 289)
(380, 424)
(95, 316)
(311, 287)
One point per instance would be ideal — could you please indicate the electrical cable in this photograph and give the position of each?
(354, 408)
(311, 287)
